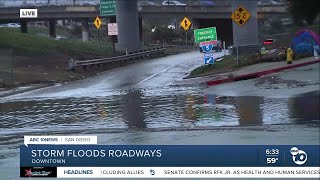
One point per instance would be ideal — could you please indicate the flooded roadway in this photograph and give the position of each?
(141, 104)
(143, 96)
(137, 109)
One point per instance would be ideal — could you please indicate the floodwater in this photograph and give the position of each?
(143, 101)
(144, 96)
(142, 110)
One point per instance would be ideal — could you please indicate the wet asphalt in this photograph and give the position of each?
(140, 104)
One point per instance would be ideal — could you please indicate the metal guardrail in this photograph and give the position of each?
(73, 64)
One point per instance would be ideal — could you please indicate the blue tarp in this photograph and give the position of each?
(304, 42)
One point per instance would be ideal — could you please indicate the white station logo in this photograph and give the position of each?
(298, 156)
(28, 13)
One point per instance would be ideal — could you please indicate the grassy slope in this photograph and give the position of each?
(45, 30)
(44, 59)
(228, 62)
(33, 45)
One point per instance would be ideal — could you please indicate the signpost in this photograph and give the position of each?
(206, 37)
(207, 46)
(208, 58)
(113, 31)
(186, 24)
(241, 15)
(205, 34)
(97, 22)
(107, 7)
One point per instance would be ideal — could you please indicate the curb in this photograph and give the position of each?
(211, 74)
(258, 74)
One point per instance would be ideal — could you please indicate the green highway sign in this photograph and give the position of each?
(205, 34)
(107, 7)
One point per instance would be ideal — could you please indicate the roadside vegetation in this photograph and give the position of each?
(32, 45)
(39, 59)
(45, 31)
(228, 63)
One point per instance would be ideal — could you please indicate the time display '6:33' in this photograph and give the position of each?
(272, 151)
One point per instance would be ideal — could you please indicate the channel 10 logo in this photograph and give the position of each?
(298, 156)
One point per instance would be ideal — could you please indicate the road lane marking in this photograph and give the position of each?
(153, 76)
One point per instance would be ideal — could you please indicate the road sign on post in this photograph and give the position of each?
(112, 29)
(241, 15)
(208, 58)
(205, 34)
(185, 23)
(107, 7)
(97, 22)
(207, 48)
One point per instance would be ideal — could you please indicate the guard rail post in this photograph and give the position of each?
(71, 65)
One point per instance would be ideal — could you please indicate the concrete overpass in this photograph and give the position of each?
(79, 12)
(128, 14)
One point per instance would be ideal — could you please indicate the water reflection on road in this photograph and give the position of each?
(134, 109)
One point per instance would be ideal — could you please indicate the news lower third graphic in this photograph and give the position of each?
(71, 157)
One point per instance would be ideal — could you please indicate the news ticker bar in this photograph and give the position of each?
(169, 155)
(171, 172)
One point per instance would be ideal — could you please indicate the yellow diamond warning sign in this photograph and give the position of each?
(97, 23)
(241, 15)
(185, 23)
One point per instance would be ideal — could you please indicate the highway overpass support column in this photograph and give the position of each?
(24, 26)
(85, 30)
(246, 37)
(195, 25)
(52, 28)
(128, 26)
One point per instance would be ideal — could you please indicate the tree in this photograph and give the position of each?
(304, 10)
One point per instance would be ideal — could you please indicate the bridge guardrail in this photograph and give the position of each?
(73, 64)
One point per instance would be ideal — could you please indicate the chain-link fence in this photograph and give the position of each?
(6, 67)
